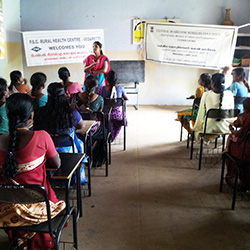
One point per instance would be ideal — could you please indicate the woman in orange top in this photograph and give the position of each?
(204, 82)
(18, 83)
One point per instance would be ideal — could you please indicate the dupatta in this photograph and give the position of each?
(101, 59)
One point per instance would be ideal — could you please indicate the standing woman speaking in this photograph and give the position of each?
(97, 64)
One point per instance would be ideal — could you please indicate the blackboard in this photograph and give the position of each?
(129, 71)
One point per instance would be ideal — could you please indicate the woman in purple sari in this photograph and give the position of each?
(97, 64)
(114, 91)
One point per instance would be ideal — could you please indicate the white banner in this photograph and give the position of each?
(202, 46)
(59, 47)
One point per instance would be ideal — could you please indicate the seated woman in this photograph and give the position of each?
(70, 87)
(23, 154)
(4, 91)
(37, 82)
(216, 98)
(239, 87)
(113, 91)
(88, 99)
(57, 117)
(91, 102)
(236, 126)
(18, 83)
(235, 146)
(205, 85)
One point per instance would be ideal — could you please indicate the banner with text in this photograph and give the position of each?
(202, 46)
(59, 47)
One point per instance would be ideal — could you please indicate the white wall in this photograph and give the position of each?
(163, 84)
(12, 34)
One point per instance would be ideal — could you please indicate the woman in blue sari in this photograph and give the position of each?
(58, 118)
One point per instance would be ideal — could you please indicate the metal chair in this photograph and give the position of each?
(195, 107)
(29, 194)
(239, 163)
(217, 115)
(114, 103)
(239, 100)
(65, 140)
(103, 136)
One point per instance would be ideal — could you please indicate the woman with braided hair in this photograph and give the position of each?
(216, 98)
(23, 154)
(18, 83)
(88, 99)
(57, 117)
(113, 90)
(70, 87)
(37, 82)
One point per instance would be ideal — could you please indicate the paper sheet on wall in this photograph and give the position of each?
(59, 47)
(202, 46)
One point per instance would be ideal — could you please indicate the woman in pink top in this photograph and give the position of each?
(23, 154)
(97, 64)
(70, 87)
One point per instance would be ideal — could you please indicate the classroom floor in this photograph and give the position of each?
(155, 198)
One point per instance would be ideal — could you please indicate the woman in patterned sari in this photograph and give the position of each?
(235, 147)
(114, 91)
(23, 154)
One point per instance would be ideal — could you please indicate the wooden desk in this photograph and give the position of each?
(70, 163)
(84, 134)
(88, 124)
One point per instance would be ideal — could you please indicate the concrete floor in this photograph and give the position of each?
(155, 198)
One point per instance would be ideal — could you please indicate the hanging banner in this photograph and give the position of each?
(59, 47)
(1, 32)
(202, 46)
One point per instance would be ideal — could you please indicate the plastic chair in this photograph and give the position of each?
(104, 135)
(28, 194)
(239, 163)
(113, 103)
(217, 115)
